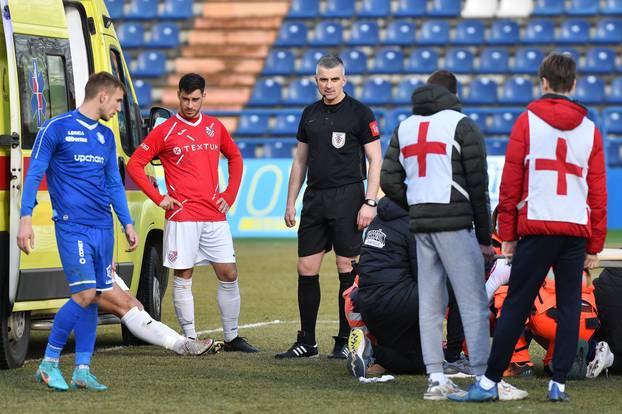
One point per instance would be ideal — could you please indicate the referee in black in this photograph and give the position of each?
(335, 134)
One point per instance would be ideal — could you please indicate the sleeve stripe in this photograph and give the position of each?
(42, 133)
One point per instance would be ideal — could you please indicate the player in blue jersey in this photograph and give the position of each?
(78, 155)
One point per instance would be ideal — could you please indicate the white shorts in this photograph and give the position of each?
(195, 243)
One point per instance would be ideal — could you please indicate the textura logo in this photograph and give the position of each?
(209, 130)
(375, 238)
(177, 151)
(172, 256)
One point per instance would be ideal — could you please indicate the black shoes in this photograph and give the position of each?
(340, 350)
(299, 349)
(239, 344)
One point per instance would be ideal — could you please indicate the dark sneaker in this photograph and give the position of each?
(340, 350)
(239, 344)
(459, 368)
(299, 350)
(578, 370)
(555, 395)
(519, 369)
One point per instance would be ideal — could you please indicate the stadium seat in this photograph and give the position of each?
(479, 8)
(339, 8)
(590, 90)
(527, 60)
(494, 60)
(388, 60)
(142, 10)
(301, 92)
(395, 117)
(469, 32)
(292, 34)
(501, 123)
(582, 7)
(459, 60)
(422, 60)
(280, 62)
(115, 8)
(608, 30)
(404, 90)
(375, 8)
(613, 153)
(609, 7)
(615, 96)
(593, 115)
(327, 34)
(363, 32)
(280, 148)
(574, 31)
(572, 52)
(150, 64)
(309, 60)
(349, 88)
(612, 123)
(481, 91)
(131, 35)
(514, 9)
(177, 10)
(354, 60)
(504, 32)
(548, 7)
(400, 32)
(516, 91)
(253, 124)
(304, 9)
(164, 35)
(434, 32)
(410, 8)
(496, 146)
(266, 92)
(539, 31)
(444, 8)
(247, 147)
(599, 60)
(143, 92)
(286, 123)
(479, 117)
(376, 91)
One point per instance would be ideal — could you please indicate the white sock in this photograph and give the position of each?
(562, 387)
(184, 305)
(144, 327)
(438, 377)
(486, 383)
(229, 305)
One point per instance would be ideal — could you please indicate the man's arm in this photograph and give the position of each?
(235, 166)
(367, 213)
(392, 174)
(296, 178)
(597, 197)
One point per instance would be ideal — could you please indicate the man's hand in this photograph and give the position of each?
(508, 249)
(290, 216)
(132, 237)
(169, 203)
(488, 252)
(25, 235)
(365, 216)
(223, 206)
(591, 261)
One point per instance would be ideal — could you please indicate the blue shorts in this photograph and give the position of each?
(86, 254)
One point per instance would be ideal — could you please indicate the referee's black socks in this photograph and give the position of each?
(345, 281)
(308, 304)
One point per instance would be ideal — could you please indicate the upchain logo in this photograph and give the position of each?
(97, 159)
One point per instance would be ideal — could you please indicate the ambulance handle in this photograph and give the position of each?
(122, 169)
(9, 141)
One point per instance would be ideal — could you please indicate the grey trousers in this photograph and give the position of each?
(453, 254)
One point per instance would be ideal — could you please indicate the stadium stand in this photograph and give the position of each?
(164, 35)
(375, 8)
(363, 32)
(142, 10)
(355, 60)
(410, 8)
(131, 35)
(304, 9)
(280, 62)
(176, 10)
(469, 32)
(400, 32)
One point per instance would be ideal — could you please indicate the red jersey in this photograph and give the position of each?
(189, 151)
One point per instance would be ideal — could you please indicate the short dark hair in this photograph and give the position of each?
(100, 81)
(560, 70)
(444, 78)
(329, 62)
(190, 82)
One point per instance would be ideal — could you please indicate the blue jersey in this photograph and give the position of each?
(78, 156)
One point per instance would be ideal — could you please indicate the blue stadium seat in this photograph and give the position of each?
(280, 62)
(548, 7)
(599, 60)
(469, 32)
(502, 122)
(131, 35)
(609, 7)
(266, 92)
(582, 7)
(459, 60)
(304, 9)
(292, 34)
(376, 91)
(164, 35)
(253, 124)
(615, 96)
(404, 90)
(516, 91)
(434, 32)
(481, 91)
(504, 32)
(354, 60)
(115, 8)
(247, 147)
(340, 8)
(400, 32)
(479, 117)
(142, 10)
(349, 88)
(327, 34)
(527, 60)
(143, 92)
(593, 115)
(591, 90)
(614, 153)
(395, 117)
(572, 52)
(608, 30)
(286, 123)
(363, 32)
(494, 60)
(309, 61)
(496, 146)
(280, 148)
(410, 8)
(445, 8)
(422, 60)
(612, 123)
(301, 92)
(150, 64)
(388, 60)
(539, 31)
(375, 8)
(177, 10)
(574, 31)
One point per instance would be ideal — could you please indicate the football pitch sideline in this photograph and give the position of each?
(150, 379)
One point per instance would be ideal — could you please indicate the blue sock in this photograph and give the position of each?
(85, 332)
(64, 322)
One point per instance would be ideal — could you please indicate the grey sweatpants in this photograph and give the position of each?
(453, 254)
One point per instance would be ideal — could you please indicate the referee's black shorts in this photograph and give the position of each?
(328, 219)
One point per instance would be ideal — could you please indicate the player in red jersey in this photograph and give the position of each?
(197, 233)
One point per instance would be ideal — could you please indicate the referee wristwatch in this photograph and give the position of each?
(371, 202)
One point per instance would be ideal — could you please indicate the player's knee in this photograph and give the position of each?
(229, 276)
(344, 264)
(307, 269)
(85, 297)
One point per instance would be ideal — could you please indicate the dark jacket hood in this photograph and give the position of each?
(558, 111)
(430, 99)
(388, 210)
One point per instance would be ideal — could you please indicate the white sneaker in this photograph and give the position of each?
(602, 360)
(437, 392)
(508, 392)
(197, 346)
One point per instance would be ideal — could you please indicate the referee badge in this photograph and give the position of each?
(339, 139)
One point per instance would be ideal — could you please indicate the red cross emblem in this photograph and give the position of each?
(422, 148)
(560, 166)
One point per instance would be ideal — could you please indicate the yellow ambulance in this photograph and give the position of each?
(49, 49)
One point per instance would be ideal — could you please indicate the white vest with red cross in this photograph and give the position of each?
(558, 166)
(426, 144)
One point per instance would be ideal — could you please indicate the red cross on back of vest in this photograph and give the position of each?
(560, 166)
(423, 148)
